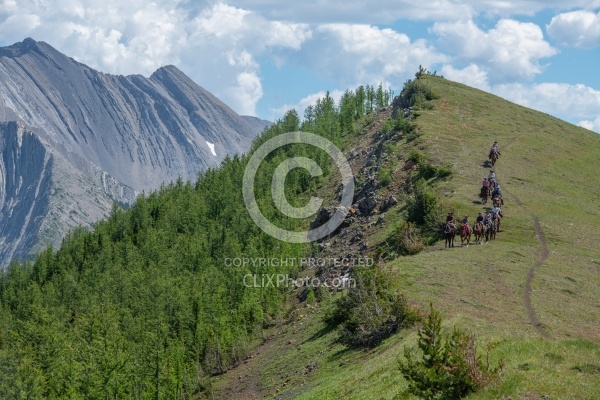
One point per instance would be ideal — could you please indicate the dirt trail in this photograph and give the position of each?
(539, 234)
(245, 387)
(242, 381)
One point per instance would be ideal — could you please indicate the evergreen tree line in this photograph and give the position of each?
(142, 305)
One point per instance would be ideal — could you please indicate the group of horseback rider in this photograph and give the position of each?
(491, 188)
(485, 225)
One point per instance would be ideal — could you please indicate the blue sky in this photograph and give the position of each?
(263, 57)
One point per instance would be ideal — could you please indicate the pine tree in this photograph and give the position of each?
(379, 97)
(448, 367)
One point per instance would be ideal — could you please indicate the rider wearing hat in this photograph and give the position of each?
(479, 217)
(485, 188)
(450, 223)
(492, 178)
(465, 222)
(494, 149)
(497, 211)
(496, 192)
(488, 217)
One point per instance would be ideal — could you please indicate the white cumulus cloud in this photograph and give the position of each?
(353, 54)
(572, 102)
(579, 28)
(591, 125)
(472, 76)
(385, 11)
(323, 11)
(246, 93)
(511, 50)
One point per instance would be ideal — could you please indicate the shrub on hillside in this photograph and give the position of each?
(422, 207)
(426, 169)
(385, 176)
(407, 239)
(405, 125)
(400, 123)
(449, 367)
(371, 311)
(417, 94)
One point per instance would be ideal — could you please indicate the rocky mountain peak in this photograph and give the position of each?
(19, 48)
(105, 138)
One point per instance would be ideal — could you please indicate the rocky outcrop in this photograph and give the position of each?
(74, 140)
(388, 203)
(25, 185)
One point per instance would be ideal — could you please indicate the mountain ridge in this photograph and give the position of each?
(134, 132)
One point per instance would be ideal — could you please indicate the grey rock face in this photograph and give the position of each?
(388, 203)
(73, 140)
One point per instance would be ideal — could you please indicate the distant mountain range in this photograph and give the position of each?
(74, 140)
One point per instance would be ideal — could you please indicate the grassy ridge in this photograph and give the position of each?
(548, 166)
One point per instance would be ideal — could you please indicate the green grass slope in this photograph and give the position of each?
(549, 240)
(547, 172)
(531, 296)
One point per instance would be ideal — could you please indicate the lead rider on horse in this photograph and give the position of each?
(495, 150)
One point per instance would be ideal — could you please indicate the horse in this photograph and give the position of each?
(491, 227)
(484, 194)
(479, 230)
(497, 218)
(494, 157)
(465, 234)
(449, 231)
(497, 201)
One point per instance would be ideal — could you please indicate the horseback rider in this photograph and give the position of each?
(485, 188)
(495, 150)
(488, 218)
(450, 221)
(497, 212)
(465, 222)
(479, 218)
(492, 178)
(496, 192)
